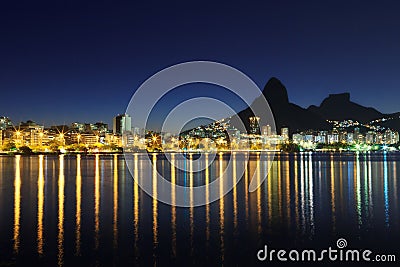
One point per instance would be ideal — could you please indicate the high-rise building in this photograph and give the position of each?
(254, 125)
(356, 132)
(285, 133)
(350, 138)
(379, 138)
(370, 137)
(333, 138)
(395, 137)
(322, 137)
(1, 137)
(342, 137)
(122, 124)
(388, 136)
(266, 130)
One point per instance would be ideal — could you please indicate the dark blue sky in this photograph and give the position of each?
(64, 61)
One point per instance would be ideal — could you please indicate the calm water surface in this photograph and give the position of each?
(87, 210)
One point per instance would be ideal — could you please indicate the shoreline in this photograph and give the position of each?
(11, 154)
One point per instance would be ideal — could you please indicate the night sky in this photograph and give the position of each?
(65, 61)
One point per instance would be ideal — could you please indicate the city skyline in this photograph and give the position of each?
(61, 61)
(30, 137)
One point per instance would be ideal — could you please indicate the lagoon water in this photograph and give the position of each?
(87, 210)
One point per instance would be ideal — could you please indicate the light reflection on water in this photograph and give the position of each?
(78, 195)
(17, 203)
(40, 211)
(155, 209)
(87, 206)
(97, 202)
(60, 237)
(136, 208)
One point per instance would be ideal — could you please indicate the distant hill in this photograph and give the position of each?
(286, 114)
(339, 107)
(334, 107)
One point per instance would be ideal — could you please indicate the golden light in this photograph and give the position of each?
(40, 210)
(17, 204)
(61, 214)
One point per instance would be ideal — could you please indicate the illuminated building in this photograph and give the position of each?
(29, 133)
(128, 140)
(122, 124)
(309, 138)
(391, 137)
(350, 138)
(90, 139)
(5, 123)
(113, 139)
(356, 132)
(361, 138)
(297, 138)
(76, 138)
(285, 134)
(89, 127)
(379, 138)
(266, 130)
(333, 137)
(19, 138)
(370, 138)
(395, 136)
(388, 136)
(254, 125)
(322, 137)
(342, 136)
(77, 127)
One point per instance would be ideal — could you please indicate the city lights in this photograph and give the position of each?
(218, 136)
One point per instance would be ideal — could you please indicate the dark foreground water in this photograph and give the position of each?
(87, 210)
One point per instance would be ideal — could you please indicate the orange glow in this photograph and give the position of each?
(17, 203)
(40, 238)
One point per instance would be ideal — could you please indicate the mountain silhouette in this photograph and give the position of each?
(286, 114)
(335, 107)
(339, 107)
